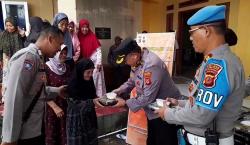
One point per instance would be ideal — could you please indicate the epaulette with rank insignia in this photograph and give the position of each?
(207, 57)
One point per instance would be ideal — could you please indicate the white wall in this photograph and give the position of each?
(122, 16)
(68, 7)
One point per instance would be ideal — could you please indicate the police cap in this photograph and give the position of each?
(208, 14)
(127, 46)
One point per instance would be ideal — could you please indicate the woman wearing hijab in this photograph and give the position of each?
(81, 115)
(91, 48)
(61, 21)
(46, 24)
(36, 26)
(75, 40)
(11, 40)
(55, 118)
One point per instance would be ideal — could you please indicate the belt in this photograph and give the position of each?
(198, 140)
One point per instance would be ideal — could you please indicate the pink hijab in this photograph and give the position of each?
(88, 43)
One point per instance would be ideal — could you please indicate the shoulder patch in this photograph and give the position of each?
(28, 65)
(211, 73)
(214, 87)
(147, 78)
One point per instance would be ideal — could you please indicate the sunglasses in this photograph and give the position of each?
(191, 31)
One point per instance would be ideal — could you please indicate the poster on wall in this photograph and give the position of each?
(18, 10)
(162, 44)
(103, 33)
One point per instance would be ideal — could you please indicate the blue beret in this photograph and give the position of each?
(208, 14)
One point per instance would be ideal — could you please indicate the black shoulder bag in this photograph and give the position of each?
(32, 104)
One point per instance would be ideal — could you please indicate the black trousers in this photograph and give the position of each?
(32, 141)
(161, 133)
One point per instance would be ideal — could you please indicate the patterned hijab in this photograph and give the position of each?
(55, 64)
(88, 43)
(67, 38)
(10, 42)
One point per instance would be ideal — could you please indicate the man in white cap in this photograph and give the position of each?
(217, 91)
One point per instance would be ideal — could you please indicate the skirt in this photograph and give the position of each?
(81, 123)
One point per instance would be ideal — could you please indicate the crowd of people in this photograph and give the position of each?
(38, 107)
(52, 78)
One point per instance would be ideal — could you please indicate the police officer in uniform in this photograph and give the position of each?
(151, 79)
(26, 77)
(218, 88)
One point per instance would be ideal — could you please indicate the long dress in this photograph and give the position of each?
(98, 76)
(81, 115)
(55, 128)
(81, 123)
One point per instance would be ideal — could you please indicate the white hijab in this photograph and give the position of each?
(55, 65)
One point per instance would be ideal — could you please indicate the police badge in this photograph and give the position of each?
(211, 73)
(215, 87)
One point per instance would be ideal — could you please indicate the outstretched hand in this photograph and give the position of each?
(96, 102)
(171, 101)
(117, 91)
(121, 102)
(62, 91)
(160, 112)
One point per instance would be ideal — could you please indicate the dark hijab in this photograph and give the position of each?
(10, 42)
(36, 25)
(78, 88)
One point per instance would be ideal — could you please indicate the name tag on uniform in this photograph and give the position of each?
(214, 87)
